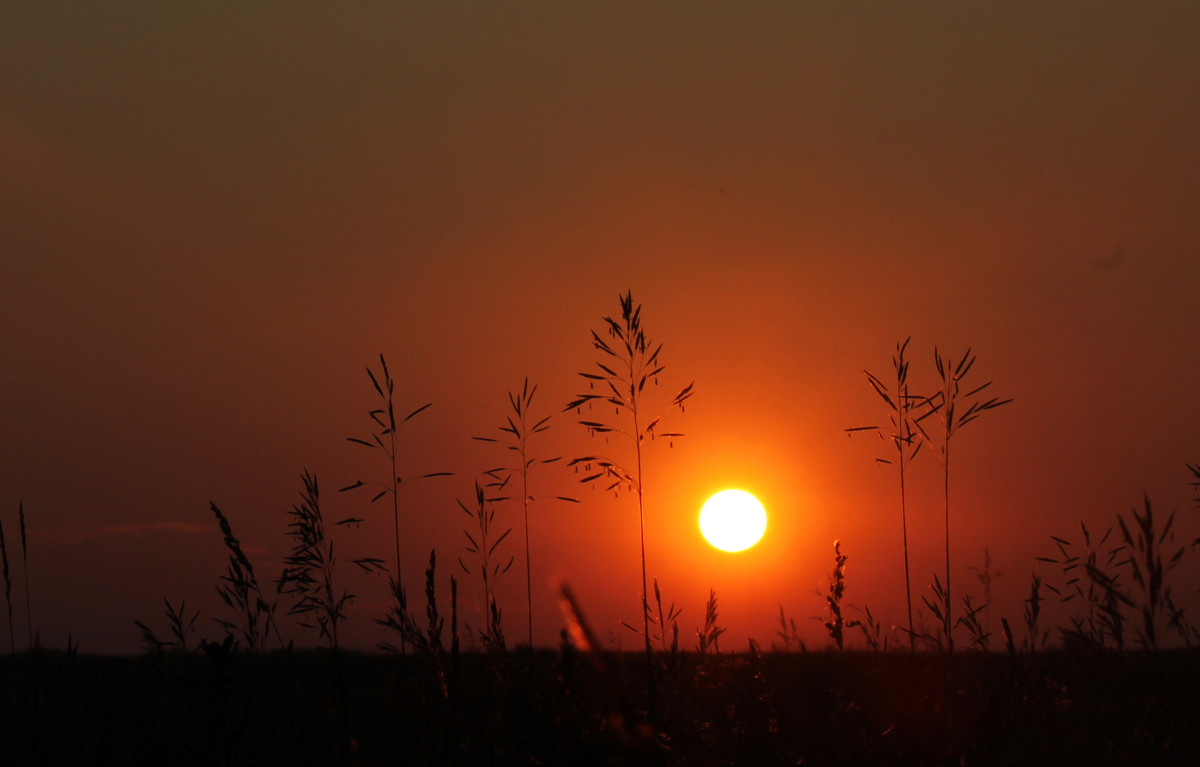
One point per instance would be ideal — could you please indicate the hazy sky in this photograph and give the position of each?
(211, 220)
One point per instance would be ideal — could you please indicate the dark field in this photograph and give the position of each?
(775, 709)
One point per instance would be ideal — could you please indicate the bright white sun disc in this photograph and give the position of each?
(733, 520)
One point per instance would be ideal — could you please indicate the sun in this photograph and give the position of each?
(733, 520)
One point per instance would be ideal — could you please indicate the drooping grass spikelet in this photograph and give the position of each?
(239, 590)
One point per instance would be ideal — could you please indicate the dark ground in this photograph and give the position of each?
(824, 708)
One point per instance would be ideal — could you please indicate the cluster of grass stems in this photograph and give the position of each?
(576, 703)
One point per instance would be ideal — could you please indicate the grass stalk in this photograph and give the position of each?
(309, 570)
(12, 642)
(25, 565)
(708, 638)
(383, 437)
(1091, 575)
(629, 361)
(483, 512)
(519, 429)
(836, 624)
(906, 438)
(1145, 541)
(948, 403)
(239, 590)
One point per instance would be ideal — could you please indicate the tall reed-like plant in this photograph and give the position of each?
(629, 361)
(518, 431)
(955, 409)
(905, 411)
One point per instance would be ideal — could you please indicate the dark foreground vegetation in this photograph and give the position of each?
(216, 707)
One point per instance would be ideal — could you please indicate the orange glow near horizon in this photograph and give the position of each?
(733, 520)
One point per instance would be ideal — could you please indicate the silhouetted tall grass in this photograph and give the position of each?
(192, 700)
(1091, 578)
(384, 439)
(182, 629)
(836, 624)
(12, 642)
(947, 404)
(308, 574)
(519, 429)
(627, 365)
(484, 547)
(904, 434)
(25, 569)
(239, 589)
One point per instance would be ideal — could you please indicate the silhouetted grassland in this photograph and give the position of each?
(1114, 693)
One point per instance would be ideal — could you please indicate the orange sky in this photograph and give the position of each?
(211, 222)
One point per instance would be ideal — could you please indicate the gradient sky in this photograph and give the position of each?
(212, 219)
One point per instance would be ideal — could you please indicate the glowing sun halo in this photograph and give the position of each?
(733, 520)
